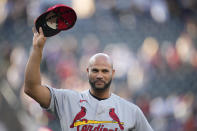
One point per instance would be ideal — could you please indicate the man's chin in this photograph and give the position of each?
(99, 88)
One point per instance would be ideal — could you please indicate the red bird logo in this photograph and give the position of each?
(113, 115)
(79, 115)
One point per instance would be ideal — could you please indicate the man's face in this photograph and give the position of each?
(100, 75)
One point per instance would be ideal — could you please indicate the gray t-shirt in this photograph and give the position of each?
(82, 112)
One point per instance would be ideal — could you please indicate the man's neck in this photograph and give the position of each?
(100, 95)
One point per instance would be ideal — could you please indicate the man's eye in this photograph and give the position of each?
(105, 71)
(94, 70)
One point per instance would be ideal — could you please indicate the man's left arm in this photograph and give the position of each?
(141, 122)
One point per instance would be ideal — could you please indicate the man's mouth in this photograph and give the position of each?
(99, 82)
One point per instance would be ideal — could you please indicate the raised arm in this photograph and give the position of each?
(32, 82)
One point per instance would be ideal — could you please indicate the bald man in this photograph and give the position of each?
(96, 109)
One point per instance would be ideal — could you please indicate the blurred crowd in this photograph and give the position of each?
(152, 44)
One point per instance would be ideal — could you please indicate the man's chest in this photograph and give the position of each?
(97, 117)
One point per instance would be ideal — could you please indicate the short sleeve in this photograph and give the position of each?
(61, 100)
(52, 103)
(58, 98)
(141, 121)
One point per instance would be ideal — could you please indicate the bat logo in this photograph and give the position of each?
(80, 121)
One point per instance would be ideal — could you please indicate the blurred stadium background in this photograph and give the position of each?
(153, 44)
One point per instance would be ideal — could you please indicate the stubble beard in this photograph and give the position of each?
(106, 86)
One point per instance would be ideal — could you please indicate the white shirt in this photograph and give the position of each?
(111, 114)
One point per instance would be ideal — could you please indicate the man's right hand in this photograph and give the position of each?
(39, 39)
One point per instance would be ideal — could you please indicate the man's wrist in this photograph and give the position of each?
(37, 48)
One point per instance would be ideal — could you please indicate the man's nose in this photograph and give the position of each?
(99, 76)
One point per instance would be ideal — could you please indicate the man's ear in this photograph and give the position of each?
(113, 73)
(87, 70)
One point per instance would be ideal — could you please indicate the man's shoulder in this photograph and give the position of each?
(63, 91)
(123, 102)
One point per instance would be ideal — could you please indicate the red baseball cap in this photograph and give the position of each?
(55, 19)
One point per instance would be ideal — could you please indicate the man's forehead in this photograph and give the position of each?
(100, 60)
(100, 66)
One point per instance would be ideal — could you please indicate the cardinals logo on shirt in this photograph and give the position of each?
(79, 115)
(113, 115)
(87, 125)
